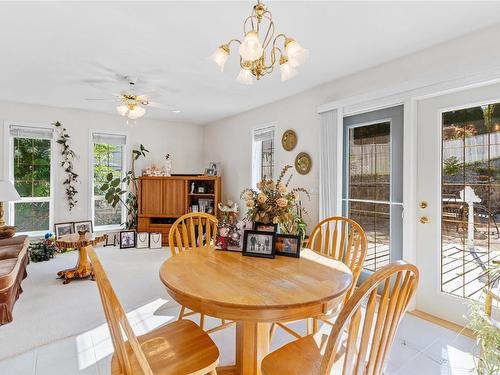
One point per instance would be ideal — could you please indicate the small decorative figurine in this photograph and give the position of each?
(168, 166)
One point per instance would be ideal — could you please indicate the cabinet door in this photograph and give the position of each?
(174, 197)
(151, 197)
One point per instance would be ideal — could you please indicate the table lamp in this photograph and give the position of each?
(7, 194)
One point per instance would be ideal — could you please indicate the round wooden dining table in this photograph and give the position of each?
(254, 292)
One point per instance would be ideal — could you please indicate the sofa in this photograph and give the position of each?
(13, 261)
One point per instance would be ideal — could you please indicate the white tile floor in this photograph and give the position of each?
(420, 348)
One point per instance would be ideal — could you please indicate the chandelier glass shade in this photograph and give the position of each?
(261, 50)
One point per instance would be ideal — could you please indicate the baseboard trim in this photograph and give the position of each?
(443, 323)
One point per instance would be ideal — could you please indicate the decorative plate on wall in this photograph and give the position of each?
(303, 163)
(289, 140)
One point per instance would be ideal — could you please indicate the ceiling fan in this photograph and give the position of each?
(131, 104)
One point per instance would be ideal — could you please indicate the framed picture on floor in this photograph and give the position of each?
(86, 225)
(155, 240)
(142, 240)
(259, 244)
(127, 239)
(288, 245)
(63, 229)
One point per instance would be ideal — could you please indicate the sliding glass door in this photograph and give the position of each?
(373, 181)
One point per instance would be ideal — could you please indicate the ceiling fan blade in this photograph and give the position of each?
(160, 105)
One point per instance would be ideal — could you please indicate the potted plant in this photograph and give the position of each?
(486, 327)
(113, 189)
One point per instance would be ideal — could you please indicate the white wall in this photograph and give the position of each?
(182, 141)
(229, 141)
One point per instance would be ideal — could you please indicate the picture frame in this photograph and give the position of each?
(288, 245)
(265, 227)
(142, 240)
(127, 239)
(155, 240)
(63, 229)
(84, 225)
(213, 169)
(259, 244)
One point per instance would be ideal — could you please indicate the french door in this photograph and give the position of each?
(458, 197)
(373, 182)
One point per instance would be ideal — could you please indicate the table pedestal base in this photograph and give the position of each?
(252, 345)
(82, 270)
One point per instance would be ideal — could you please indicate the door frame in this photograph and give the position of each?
(407, 95)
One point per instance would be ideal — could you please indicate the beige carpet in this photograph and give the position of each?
(48, 310)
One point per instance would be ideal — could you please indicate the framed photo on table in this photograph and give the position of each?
(127, 239)
(288, 245)
(86, 225)
(259, 244)
(63, 229)
(270, 227)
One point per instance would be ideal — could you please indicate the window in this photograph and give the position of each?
(30, 170)
(263, 154)
(108, 151)
(470, 195)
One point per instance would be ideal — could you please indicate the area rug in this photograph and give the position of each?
(48, 311)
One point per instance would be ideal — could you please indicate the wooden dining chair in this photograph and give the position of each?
(180, 347)
(191, 231)
(344, 240)
(361, 337)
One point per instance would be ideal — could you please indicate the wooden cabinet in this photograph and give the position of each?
(151, 197)
(174, 197)
(164, 199)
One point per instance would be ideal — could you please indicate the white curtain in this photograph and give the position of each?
(330, 176)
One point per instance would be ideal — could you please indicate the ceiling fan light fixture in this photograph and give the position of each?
(297, 55)
(136, 112)
(122, 109)
(220, 56)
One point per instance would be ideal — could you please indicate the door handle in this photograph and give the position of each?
(424, 220)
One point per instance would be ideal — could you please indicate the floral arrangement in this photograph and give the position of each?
(41, 251)
(68, 156)
(274, 202)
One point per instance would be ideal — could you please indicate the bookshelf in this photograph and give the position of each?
(162, 200)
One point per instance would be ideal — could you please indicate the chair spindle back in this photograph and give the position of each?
(196, 229)
(365, 337)
(117, 321)
(342, 239)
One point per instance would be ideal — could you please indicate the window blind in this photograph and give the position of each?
(20, 131)
(110, 139)
(263, 134)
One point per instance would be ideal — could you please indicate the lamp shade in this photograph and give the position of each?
(7, 192)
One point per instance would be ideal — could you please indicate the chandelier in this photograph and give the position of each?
(259, 50)
(132, 106)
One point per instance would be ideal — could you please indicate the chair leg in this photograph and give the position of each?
(309, 326)
(272, 330)
(202, 321)
(181, 313)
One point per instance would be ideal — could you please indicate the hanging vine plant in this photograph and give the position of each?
(68, 156)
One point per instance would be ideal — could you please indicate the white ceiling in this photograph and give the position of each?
(52, 53)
